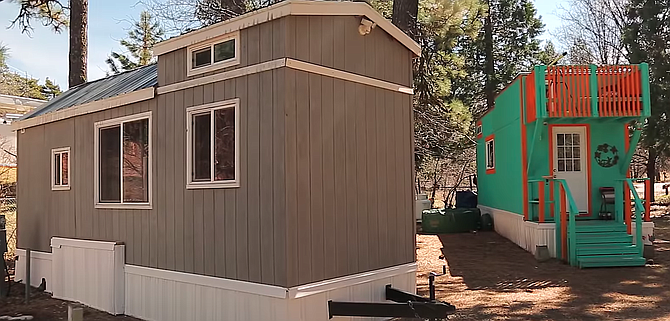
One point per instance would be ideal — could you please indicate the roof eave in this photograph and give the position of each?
(288, 8)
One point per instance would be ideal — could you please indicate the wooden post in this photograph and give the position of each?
(541, 204)
(627, 208)
(647, 200)
(75, 313)
(564, 225)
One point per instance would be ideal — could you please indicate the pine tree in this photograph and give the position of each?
(50, 90)
(140, 42)
(548, 53)
(514, 47)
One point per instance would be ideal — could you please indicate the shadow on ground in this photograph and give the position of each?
(490, 278)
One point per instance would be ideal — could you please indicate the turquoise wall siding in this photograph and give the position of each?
(612, 134)
(502, 189)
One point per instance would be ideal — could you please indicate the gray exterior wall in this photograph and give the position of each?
(326, 176)
(349, 174)
(334, 41)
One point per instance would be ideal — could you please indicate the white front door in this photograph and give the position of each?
(569, 154)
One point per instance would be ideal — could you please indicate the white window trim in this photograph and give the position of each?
(489, 154)
(96, 176)
(190, 71)
(232, 103)
(478, 130)
(61, 187)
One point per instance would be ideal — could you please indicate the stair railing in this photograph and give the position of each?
(566, 225)
(639, 210)
(541, 201)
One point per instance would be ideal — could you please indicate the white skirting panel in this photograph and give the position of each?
(153, 294)
(540, 234)
(161, 295)
(89, 272)
(647, 232)
(527, 235)
(310, 302)
(40, 267)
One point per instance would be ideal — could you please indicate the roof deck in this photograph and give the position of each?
(613, 91)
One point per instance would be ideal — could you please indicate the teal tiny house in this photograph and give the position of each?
(553, 160)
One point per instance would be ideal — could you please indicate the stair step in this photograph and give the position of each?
(610, 260)
(616, 227)
(595, 238)
(611, 249)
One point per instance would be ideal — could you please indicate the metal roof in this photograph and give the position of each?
(119, 84)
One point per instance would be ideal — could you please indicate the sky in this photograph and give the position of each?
(45, 54)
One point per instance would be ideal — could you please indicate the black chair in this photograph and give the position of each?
(607, 198)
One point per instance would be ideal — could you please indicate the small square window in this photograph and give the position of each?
(224, 50)
(202, 57)
(60, 169)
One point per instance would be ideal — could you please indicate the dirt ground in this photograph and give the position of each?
(491, 278)
(44, 308)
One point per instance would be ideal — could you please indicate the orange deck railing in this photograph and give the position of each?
(568, 93)
(619, 91)
(587, 91)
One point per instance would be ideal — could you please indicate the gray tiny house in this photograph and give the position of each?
(269, 156)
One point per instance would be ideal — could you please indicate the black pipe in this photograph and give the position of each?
(418, 310)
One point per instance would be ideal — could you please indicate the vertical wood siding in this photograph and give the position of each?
(348, 178)
(326, 167)
(377, 54)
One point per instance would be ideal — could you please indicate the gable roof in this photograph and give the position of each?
(288, 8)
(119, 84)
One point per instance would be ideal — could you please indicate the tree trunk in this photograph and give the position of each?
(651, 171)
(405, 13)
(78, 41)
(490, 68)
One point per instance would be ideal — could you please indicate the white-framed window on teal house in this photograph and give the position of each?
(212, 145)
(123, 162)
(490, 154)
(214, 54)
(60, 169)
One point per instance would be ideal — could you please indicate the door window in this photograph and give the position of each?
(568, 150)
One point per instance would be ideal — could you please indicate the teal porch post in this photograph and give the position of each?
(593, 88)
(557, 219)
(646, 96)
(625, 164)
(618, 202)
(541, 91)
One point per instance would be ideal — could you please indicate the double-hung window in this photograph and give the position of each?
(123, 162)
(215, 54)
(213, 145)
(60, 169)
